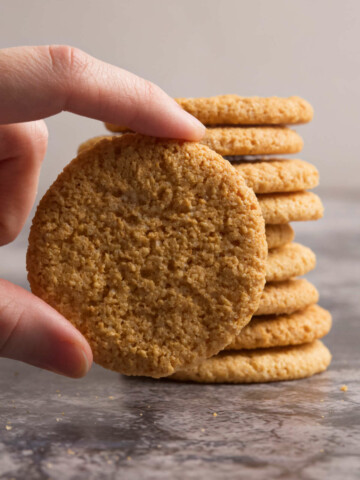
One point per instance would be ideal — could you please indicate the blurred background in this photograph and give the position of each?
(202, 48)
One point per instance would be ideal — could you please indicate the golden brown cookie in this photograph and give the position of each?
(287, 297)
(280, 208)
(258, 366)
(300, 327)
(279, 235)
(236, 110)
(288, 261)
(252, 140)
(154, 249)
(248, 140)
(271, 176)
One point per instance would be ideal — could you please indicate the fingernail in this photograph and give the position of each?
(200, 128)
(69, 359)
(86, 365)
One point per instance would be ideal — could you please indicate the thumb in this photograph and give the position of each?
(33, 332)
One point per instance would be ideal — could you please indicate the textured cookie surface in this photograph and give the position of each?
(279, 235)
(300, 327)
(236, 110)
(153, 249)
(287, 297)
(280, 208)
(252, 140)
(288, 261)
(263, 365)
(273, 176)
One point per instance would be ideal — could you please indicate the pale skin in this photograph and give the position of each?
(35, 83)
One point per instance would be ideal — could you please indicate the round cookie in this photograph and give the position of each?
(280, 208)
(288, 261)
(276, 175)
(300, 327)
(287, 297)
(154, 249)
(252, 140)
(91, 142)
(236, 110)
(258, 366)
(278, 235)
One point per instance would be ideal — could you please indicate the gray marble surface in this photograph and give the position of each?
(107, 426)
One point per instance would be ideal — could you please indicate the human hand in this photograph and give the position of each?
(35, 83)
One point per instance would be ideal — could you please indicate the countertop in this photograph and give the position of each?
(107, 426)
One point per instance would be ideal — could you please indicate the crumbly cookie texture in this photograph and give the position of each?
(236, 110)
(252, 140)
(300, 327)
(234, 141)
(288, 261)
(279, 235)
(287, 297)
(258, 366)
(280, 208)
(154, 249)
(272, 176)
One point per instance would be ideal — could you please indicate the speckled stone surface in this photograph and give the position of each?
(106, 426)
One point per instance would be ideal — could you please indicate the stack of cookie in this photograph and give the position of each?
(281, 342)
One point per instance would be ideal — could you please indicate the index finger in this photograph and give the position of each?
(37, 82)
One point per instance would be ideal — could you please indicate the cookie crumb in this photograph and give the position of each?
(215, 414)
(8, 427)
(70, 452)
(344, 388)
(110, 397)
(128, 458)
(202, 430)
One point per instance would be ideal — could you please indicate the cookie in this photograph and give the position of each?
(288, 261)
(258, 366)
(280, 208)
(287, 297)
(279, 235)
(91, 142)
(236, 110)
(252, 140)
(272, 176)
(154, 249)
(300, 327)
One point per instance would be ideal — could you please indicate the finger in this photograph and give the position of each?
(33, 332)
(22, 149)
(37, 82)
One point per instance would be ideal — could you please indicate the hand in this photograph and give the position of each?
(36, 82)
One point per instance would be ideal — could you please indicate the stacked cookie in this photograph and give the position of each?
(282, 340)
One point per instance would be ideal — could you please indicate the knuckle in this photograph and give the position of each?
(66, 59)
